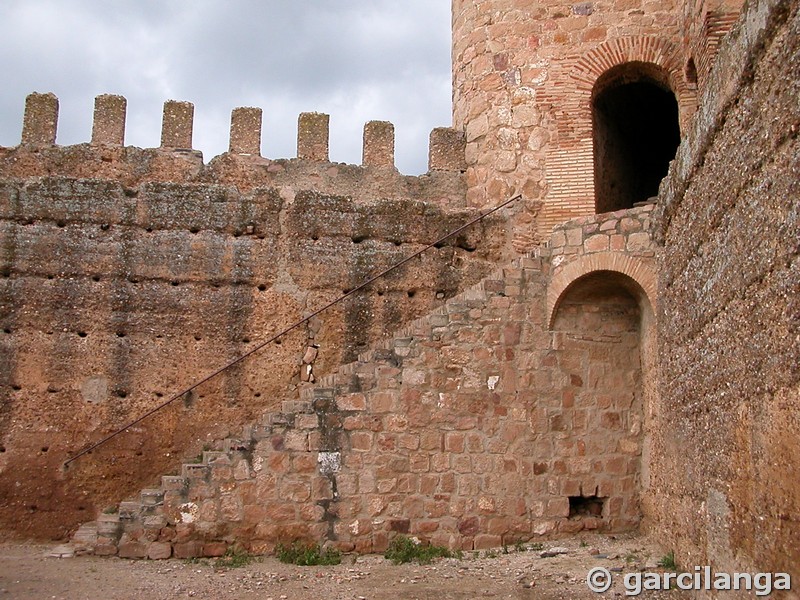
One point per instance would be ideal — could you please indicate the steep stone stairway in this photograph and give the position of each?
(195, 514)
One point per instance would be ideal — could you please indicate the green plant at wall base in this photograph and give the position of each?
(668, 561)
(234, 558)
(404, 550)
(307, 555)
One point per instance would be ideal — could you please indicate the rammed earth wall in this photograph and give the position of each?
(128, 274)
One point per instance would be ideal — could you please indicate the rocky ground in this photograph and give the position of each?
(554, 570)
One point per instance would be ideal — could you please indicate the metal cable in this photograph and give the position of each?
(259, 346)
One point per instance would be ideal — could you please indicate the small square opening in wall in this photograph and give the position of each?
(586, 506)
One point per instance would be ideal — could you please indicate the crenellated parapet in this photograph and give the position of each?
(41, 120)
(446, 150)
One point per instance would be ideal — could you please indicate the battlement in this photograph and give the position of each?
(40, 126)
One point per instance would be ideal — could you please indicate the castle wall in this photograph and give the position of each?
(480, 424)
(725, 453)
(128, 274)
(523, 78)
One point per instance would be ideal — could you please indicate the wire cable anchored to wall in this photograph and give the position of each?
(283, 332)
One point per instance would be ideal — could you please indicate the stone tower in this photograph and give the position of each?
(578, 104)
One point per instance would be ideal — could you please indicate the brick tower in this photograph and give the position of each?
(579, 105)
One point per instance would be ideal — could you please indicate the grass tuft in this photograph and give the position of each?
(234, 558)
(405, 550)
(668, 561)
(307, 555)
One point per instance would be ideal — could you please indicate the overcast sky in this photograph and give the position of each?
(357, 60)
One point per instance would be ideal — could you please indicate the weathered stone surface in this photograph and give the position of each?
(159, 550)
(132, 550)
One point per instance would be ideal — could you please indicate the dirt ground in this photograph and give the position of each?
(27, 572)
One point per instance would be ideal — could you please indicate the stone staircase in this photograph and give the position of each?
(189, 515)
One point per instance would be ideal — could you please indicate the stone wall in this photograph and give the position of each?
(725, 452)
(483, 423)
(127, 274)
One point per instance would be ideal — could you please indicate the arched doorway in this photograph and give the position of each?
(635, 130)
(601, 324)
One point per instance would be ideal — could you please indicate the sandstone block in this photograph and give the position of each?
(159, 550)
(132, 550)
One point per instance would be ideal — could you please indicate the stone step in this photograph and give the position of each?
(86, 534)
(152, 497)
(216, 457)
(129, 509)
(194, 470)
(109, 526)
(172, 482)
(300, 406)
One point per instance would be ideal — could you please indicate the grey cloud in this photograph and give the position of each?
(358, 60)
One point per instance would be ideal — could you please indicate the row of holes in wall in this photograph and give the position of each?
(119, 393)
(356, 239)
(261, 287)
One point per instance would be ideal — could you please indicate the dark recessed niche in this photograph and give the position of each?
(159, 395)
(82, 334)
(16, 387)
(45, 448)
(95, 277)
(690, 71)
(465, 245)
(380, 292)
(278, 342)
(2, 449)
(120, 334)
(346, 291)
(411, 293)
(149, 229)
(397, 242)
(49, 276)
(257, 395)
(60, 223)
(133, 279)
(357, 239)
(246, 340)
(262, 287)
(215, 284)
(7, 330)
(197, 338)
(174, 283)
(314, 238)
(586, 506)
(121, 393)
(105, 226)
(194, 230)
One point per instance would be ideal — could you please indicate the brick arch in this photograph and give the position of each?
(640, 270)
(645, 49)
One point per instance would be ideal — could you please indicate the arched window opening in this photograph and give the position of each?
(636, 133)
